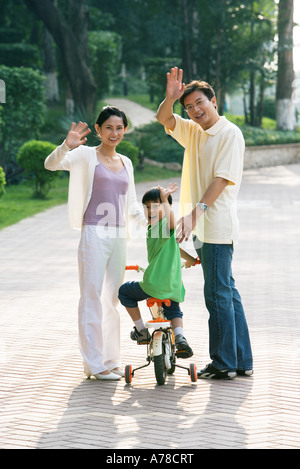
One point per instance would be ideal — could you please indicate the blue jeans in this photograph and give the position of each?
(229, 341)
(131, 292)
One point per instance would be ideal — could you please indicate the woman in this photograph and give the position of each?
(101, 200)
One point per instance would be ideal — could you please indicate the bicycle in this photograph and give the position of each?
(161, 348)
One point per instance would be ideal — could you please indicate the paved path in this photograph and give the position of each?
(45, 400)
(139, 115)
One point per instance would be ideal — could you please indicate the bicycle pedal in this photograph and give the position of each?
(184, 353)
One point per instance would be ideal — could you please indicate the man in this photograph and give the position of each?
(211, 178)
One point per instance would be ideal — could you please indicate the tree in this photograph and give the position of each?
(285, 108)
(72, 43)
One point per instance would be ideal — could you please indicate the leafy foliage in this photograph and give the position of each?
(22, 116)
(31, 158)
(105, 56)
(2, 181)
(128, 149)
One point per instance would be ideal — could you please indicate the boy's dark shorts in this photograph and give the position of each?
(131, 292)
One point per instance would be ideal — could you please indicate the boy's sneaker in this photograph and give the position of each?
(244, 372)
(142, 337)
(210, 372)
(183, 350)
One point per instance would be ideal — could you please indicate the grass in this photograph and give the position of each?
(18, 202)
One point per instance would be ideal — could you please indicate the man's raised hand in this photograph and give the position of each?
(175, 86)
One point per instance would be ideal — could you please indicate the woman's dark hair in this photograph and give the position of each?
(108, 111)
(153, 195)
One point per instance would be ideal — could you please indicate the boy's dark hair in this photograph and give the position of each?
(197, 86)
(108, 111)
(153, 195)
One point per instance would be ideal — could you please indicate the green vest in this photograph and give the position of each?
(162, 279)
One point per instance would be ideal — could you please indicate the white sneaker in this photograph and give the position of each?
(118, 371)
(108, 376)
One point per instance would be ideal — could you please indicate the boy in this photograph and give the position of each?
(162, 278)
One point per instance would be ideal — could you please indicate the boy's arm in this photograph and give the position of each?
(164, 194)
(174, 91)
(190, 260)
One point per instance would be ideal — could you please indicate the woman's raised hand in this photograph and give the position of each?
(77, 134)
(175, 86)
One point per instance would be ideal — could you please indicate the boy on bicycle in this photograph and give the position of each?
(162, 279)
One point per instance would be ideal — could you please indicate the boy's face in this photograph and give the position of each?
(154, 212)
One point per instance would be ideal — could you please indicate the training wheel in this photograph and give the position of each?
(128, 374)
(193, 372)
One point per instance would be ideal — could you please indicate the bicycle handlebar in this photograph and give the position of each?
(132, 267)
(138, 268)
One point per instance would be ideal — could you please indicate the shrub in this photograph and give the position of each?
(31, 158)
(128, 149)
(23, 116)
(156, 145)
(2, 181)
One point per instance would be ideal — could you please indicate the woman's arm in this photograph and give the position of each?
(58, 160)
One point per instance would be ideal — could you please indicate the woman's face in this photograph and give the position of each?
(111, 131)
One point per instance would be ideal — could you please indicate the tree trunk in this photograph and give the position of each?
(285, 108)
(78, 73)
(252, 98)
(49, 67)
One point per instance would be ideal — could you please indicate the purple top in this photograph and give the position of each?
(107, 204)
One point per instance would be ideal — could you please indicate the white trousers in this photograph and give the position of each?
(101, 263)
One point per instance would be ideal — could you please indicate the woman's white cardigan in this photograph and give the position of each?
(81, 163)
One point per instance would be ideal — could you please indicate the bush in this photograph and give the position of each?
(31, 158)
(155, 144)
(23, 116)
(2, 181)
(128, 149)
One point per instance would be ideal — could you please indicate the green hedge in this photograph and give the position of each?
(128, 149)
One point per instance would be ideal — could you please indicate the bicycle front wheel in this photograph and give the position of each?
(160, 369)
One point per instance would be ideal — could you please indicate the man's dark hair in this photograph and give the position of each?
(197, 86)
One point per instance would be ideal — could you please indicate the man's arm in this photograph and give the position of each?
(174, 91)
(187, 223)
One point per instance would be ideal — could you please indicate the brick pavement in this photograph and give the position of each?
(45, 400)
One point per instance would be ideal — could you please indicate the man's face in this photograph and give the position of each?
(201, 110)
